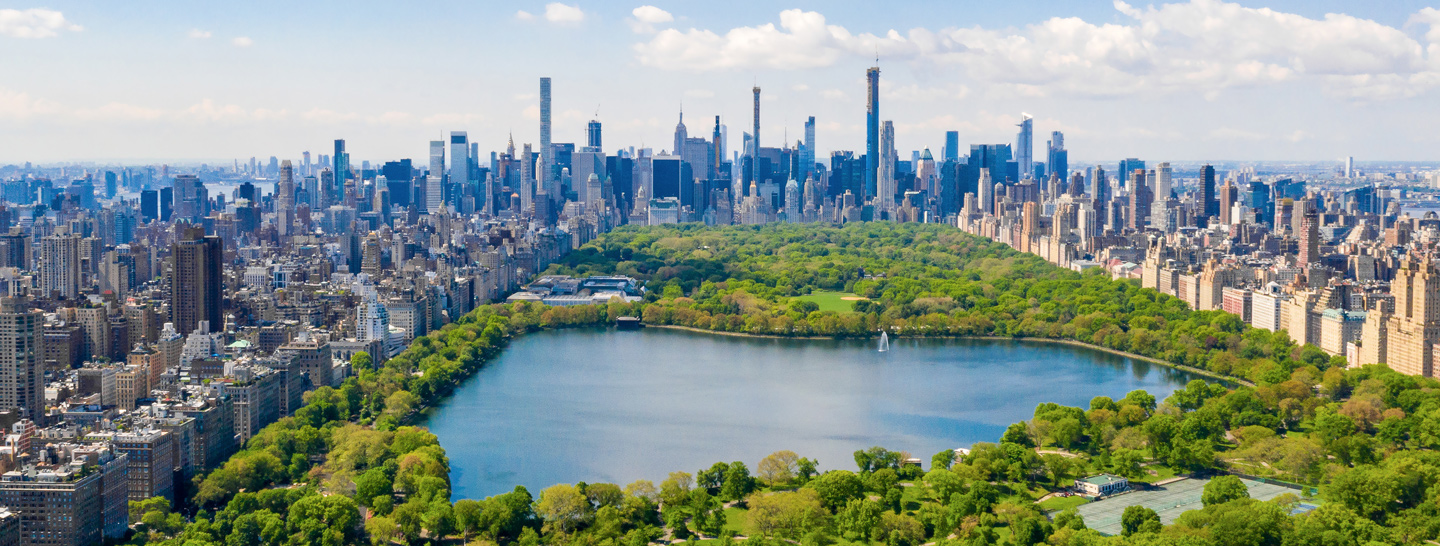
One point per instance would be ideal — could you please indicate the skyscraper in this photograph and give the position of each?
(435, 182)
(952, 146)
(718, 150)
(1057, 160)
(342, 173)
(527, 181)
(872, 127)
(755, 137)
(680, 135)
(285, 198)
(1309, 235)
(60, 266)
(22, 362)
(545, 176)
(460, 160)
(885, 199)
(592, 137)
(196, 265)
(1025, 144)
(1210, 205)
(807, 160)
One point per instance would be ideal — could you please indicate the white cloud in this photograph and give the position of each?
(34, 23)
(20, 105)
(524, 15)
(652, 15)
(833, 94)
(199, 34)
(556, 12)
(800, 87)
(700, 93)
(646, 17)
(242, 41)
(1203, 46)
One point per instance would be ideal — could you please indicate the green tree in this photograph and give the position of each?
(778, 467)
(788, 514)
(858, 518)
(1224, 489)
(563, 507)
(467, 517)
(1139, 519)
(837, 487)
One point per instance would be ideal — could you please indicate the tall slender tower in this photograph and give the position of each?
(545, 177)
(342, 173)
(872, 127)
(285, 198)
(755, 137)
(718, 151)
(1025, 146)
(1210, 206)
(435, 182)
(809, 156)
(527, 180)
(885, 199)
(22, 362)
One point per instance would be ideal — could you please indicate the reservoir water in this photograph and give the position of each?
(600, 405)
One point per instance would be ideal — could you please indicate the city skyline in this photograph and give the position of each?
(199, 84)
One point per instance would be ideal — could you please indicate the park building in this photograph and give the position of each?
(1101, 485)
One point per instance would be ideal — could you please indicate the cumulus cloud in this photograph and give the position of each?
(556, 12)
(1202, 45)
(524, 15)
(199, 34)
(242, 41)
(34, 23)
(646, 17)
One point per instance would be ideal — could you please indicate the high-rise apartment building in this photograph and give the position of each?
(807, 159)
(60, 257)
(1309, 236)
(22, 366)
(1208, 199)
(196, 265)
(755, 137)
(885, 198)
(545, 175)
(872, 129)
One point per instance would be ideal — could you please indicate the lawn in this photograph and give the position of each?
(1057, 504)
(1162, 472)
(831, 301)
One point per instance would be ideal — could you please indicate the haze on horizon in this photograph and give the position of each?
(1197, 80)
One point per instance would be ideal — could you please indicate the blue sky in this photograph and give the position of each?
(1198, 80)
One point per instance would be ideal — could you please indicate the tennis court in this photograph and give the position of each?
(1168, 500)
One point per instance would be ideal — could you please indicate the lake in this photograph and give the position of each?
(599, 405)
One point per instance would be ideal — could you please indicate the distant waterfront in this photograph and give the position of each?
(598, 405)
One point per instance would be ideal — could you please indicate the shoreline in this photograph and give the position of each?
(1070, 342)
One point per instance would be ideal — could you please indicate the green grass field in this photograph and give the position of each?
(1057, 504)
(831, 301)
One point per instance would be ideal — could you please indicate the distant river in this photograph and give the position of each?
(601, 405)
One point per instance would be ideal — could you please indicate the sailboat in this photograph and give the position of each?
(884, 342)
